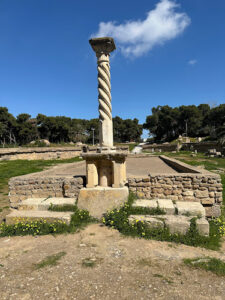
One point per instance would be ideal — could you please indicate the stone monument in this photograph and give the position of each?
(106, 166)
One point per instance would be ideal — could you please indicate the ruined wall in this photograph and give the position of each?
(206, 189)
(22, 187)
(44, 153)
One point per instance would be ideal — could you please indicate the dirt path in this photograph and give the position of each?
(124, 268)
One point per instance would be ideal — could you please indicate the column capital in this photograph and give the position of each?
(102, 45)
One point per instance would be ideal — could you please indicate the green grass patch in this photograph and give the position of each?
(88, 262)
(65, 207)
(50, 261)
(211, 264)
(146, 211)
(118, 219)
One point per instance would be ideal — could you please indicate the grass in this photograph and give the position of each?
(14, 168)
(65, 207)
(50, 261)
(211, 264)
(118, 219)
(88, 262)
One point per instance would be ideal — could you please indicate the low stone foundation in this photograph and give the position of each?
(195, 185)
(206, 189)
(22, 187)
(42, 153)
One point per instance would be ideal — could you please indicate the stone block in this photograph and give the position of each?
(166, 205)
(201, 194)
(153, 222)
(177, 224)
(207, 201)
(188, 193)
(99, 200)
(33, 215)
(202, 226)
(145, 203)
(190, 208)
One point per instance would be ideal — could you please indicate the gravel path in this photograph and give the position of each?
(124, 268)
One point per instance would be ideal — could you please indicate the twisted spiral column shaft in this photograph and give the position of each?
(104, 98)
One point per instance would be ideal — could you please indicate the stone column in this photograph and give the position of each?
(102, 48)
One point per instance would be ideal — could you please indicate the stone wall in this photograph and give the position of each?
(203, 147)
(42, 153)
(160, 147)
(206, 189)
(23, 187)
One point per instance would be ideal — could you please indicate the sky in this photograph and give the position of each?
(168, 53)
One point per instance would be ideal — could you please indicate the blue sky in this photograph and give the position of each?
(173, 55)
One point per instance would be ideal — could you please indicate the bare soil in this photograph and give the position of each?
(123, 268)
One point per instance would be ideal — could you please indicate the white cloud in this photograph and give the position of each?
(192, 62)
(136, 38)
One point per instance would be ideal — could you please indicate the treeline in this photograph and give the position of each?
(23, 129)
(167, 123)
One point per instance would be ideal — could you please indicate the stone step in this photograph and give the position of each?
(33, 215)
(44, 203)
(175, 223)
(187, 208)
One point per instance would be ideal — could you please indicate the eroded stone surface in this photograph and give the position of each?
(99, 200)
(190, 208)
(33, 215)
(166, 205)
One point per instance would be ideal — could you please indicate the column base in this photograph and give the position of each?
(99, 200)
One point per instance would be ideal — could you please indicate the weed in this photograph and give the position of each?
(89, 262)
(1, 209)
(164, 278)
(158, 275)
(212, 264)
(51, 260)
(1, 265)
(187, 214)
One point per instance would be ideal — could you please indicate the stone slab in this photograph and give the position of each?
(154, 222)
(44, 203)
(99, 200)
(145, 203)
(167, 205)
(190, 208)
(177, 224)
(32, 215)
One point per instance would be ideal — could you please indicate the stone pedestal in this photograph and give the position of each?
(99, 200)
(105, 169)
